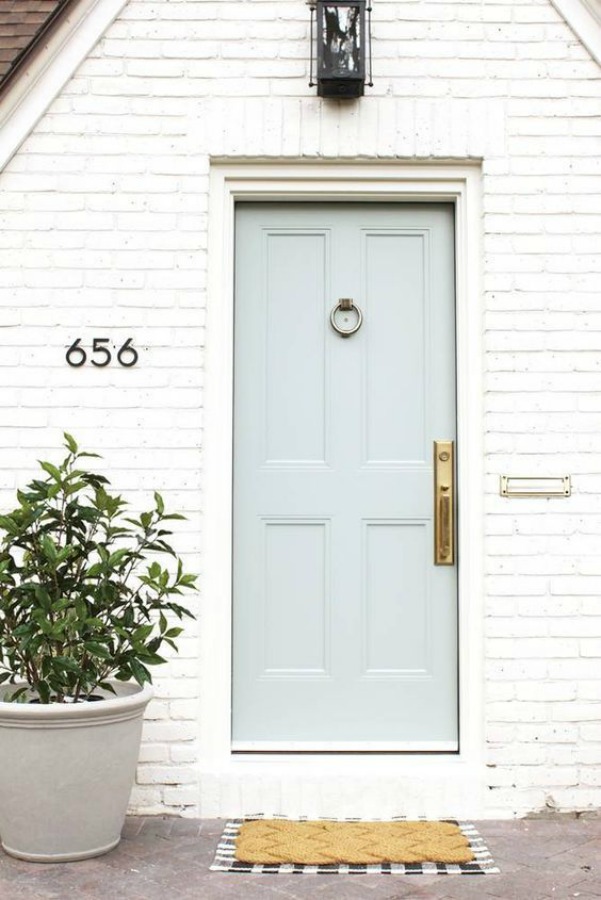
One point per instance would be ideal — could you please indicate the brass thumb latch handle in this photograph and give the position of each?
(444, 503)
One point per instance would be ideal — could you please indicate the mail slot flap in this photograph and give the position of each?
(535, 486)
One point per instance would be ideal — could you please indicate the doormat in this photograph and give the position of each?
(278, 845)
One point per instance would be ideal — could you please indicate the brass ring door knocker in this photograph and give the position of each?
(346, 305)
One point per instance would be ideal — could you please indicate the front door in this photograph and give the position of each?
(345, 628)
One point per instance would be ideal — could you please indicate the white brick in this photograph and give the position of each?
(591, 732)
(149, 774)
(550, 776)
(181, 797)
(517, 711)
(576, 712)
(542, 692)
(184, 709)
(517, 754)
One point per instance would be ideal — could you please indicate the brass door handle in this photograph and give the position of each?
(444, 503)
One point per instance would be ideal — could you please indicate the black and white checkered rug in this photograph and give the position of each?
(225, 861)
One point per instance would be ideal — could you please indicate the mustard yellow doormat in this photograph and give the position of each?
(397, 847)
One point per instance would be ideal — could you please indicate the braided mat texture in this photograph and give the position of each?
(280, 845)
(360, 843)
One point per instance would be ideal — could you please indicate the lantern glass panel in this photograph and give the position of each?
(342, 41)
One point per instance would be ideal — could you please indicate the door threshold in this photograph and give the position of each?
(345, 747)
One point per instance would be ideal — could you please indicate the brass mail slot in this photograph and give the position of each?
(535, 486)
(444, 503)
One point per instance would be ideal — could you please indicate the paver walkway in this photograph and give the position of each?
(161, 858)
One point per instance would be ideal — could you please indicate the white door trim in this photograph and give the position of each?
(232, 181)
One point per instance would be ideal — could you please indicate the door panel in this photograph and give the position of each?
(396, 352)
(345, 632)
(296, 598)
(295, 397)
(395, 627)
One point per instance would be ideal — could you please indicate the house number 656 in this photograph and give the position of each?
(76, 356)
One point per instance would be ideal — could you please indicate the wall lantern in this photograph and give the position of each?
(341, 32)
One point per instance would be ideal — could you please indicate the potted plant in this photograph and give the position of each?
(85, 608)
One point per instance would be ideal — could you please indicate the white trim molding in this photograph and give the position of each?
(584, 18)
(363, 784)
(42, 79)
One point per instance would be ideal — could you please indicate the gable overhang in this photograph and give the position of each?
(38, 40)
(42, 75)
(584, 18)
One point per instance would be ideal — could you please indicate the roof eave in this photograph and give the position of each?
(29, 51)
(43, 74)
(584, 18)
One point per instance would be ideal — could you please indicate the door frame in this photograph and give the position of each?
(232, 181)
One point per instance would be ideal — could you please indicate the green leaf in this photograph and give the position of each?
(140, 673)
(15, 698)
(43, 597)
(173, 632)
(116, 557)
(52, 470)
(74, 488)
(97, 649)
(188, 580)
(151, 659)
(43, 692)
(48, 548)
(8, 524)
(70, 442)
(159, 503)
(67, 663)
(141, 633)
(64, 554)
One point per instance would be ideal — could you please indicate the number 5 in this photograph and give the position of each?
(98, 348)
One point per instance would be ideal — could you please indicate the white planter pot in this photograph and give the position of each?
(66, 773)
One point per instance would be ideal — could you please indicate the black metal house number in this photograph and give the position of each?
(76, 356)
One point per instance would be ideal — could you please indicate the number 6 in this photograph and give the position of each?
(75, 348)
(127, 348)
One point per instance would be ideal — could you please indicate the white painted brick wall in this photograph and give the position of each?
(104, 232)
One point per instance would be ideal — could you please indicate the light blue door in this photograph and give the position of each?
(345, 630)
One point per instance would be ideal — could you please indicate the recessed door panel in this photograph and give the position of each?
(295, 617)
(294, 291)
(345, 629)
(397, 304)
(396, 628)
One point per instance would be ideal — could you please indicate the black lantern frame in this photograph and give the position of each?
(341, 36)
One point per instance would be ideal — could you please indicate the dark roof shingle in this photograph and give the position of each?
(21, 22)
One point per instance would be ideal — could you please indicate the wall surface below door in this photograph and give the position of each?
(104, 212)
